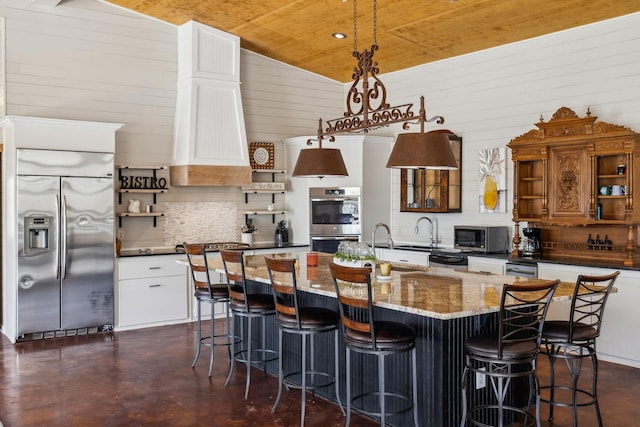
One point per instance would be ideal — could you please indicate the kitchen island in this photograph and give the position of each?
(444, 306)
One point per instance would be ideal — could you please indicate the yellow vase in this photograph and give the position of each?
(490, 196)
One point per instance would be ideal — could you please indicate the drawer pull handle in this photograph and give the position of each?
(155, 268)
(154, 286)
(403, 260)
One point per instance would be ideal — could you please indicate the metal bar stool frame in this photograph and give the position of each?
(246, 306)
(306, 322)
(363, 334)
(205, 291)
(575, 339)
(509, 354)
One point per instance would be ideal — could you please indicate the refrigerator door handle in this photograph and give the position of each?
(63, 237)
(57, 246)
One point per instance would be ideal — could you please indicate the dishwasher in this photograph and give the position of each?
(522, 269)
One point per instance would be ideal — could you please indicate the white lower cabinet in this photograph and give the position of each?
(404, 257)
(486, 265)
(619, 341)
(151, 291)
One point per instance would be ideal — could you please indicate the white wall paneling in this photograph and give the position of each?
(492, 96)
(88, 60)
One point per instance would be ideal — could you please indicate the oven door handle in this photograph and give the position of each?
(355, 238)
(333, 199)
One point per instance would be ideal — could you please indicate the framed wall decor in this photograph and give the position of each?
(493, 180)
(261, 155)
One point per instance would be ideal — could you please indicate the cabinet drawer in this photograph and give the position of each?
(487, 265)
(152, 300)
(150, 266)
(408, 257)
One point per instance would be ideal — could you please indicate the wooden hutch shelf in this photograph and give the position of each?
(576, 172)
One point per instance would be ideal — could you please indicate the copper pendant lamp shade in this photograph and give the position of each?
(430, 150)
(320, 162)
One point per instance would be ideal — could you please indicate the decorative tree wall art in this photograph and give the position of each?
(493, 180)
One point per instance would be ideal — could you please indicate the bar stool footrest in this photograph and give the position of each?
(369, 403)
(258, 355)
(294, 380)
(229, 340)
(512, 409)
(579, 392)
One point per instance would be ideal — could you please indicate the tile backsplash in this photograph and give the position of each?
(200, 222)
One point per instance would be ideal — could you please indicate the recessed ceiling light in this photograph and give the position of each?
(339, 36)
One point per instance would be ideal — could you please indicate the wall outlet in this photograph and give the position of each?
(121, 234)
(481, 379)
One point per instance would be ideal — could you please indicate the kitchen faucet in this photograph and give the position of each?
(373, 236)
(431, 241)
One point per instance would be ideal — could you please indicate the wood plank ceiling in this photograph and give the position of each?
(409, 32)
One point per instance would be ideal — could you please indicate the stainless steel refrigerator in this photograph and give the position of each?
(65, 241)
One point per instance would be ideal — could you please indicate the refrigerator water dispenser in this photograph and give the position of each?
(38, 230)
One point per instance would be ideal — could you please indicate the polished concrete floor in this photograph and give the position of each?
(144, 378)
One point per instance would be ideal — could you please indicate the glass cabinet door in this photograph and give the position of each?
(425, 190)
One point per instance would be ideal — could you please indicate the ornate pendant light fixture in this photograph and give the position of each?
(367, 109)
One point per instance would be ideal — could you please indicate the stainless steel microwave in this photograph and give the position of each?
(487, 239)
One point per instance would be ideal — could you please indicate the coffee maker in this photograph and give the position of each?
(532, 245)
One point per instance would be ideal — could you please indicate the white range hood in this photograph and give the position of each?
(210, 141)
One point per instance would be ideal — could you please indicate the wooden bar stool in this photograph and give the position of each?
(363, 334)
(246, 306)
(574, 340)
(508, 355)
(209, 293)
(305, 322)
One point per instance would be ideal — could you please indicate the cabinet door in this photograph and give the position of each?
(569, 183)
(152, 300)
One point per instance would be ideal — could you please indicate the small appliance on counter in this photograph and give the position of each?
(531, 247)
(484, 239)
(282, 234)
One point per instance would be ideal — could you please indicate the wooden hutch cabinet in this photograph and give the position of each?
(576, 172)
(426, 190)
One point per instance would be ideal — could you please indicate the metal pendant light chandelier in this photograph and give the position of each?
(367, 109)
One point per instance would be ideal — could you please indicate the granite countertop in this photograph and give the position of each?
(170, 250)
(517, 260)
(440, 293)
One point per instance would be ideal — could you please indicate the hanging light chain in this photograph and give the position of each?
(355, 26)
(375, 22)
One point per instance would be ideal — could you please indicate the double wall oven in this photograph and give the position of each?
(334, 217)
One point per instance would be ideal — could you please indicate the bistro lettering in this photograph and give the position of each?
(143, 182)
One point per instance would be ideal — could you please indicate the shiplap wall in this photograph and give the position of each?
(492, 96)
(88, 60)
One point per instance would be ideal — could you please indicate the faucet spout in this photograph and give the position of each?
(431, 240)
(373, 235)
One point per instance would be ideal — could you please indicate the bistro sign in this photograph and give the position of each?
(142, 183)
